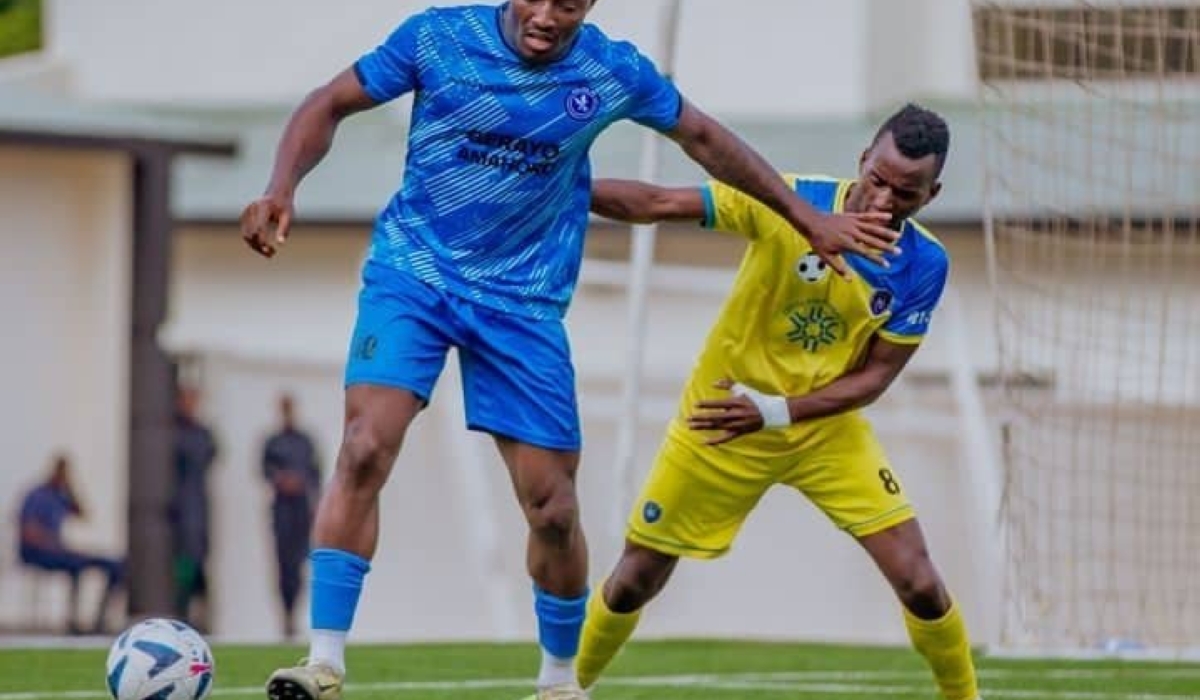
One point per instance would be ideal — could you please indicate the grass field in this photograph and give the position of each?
(692, 670)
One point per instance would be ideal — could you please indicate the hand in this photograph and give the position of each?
(734, 416)
(866, 234)
(266, 222)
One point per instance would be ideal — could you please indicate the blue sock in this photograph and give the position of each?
(337, 580)
(560, 622)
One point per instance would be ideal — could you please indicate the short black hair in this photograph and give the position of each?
(918, 132)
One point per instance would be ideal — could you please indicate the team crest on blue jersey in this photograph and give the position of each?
(881, 302)
(651, 512)
(582, 103)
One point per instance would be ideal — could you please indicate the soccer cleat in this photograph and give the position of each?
(308, 681)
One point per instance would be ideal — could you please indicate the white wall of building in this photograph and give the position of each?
(64, 298)
(750, 58)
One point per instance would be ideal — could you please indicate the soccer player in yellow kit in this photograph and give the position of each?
(774, 397)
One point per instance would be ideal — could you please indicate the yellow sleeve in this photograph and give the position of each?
(729, 209)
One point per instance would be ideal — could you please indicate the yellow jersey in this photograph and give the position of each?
(791, 324)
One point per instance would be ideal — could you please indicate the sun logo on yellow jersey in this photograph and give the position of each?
(815, 325)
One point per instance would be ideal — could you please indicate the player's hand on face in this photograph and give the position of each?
(265, 223)
(866, 234)
(733, 417)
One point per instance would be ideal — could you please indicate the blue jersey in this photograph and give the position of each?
(497, 185)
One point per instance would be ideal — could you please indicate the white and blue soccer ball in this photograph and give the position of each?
(159, 659)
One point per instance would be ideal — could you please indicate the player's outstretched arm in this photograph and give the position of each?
(642, 203)
(305, 141)
(727, 158)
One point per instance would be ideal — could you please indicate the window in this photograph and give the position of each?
(1087, 41)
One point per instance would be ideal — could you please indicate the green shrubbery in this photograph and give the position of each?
(20, 26)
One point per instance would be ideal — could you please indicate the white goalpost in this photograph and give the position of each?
(643, 237)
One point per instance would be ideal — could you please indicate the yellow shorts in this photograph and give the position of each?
(696, 497)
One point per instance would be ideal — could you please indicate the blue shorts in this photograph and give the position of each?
(518, 380)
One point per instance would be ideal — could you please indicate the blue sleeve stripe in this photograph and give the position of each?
(900, 339)
(678, 111)
(710, 207)
(362, 80)
(666, 120)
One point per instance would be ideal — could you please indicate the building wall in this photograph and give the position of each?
(257, 328)
(64, 295)
(820, 61)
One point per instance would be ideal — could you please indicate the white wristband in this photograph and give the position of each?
(774, 409)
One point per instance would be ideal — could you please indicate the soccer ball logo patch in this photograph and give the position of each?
(812, 268)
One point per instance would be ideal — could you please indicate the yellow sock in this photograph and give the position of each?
(945, 646)
(604, 633)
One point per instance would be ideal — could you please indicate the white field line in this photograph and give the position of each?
(880, 683)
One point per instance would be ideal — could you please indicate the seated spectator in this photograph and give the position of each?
(44, 510)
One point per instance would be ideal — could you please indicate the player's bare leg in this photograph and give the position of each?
(934, 623)
(376, 421)
(345, 535)
(639, 575)
(556, 557)
(614, 610)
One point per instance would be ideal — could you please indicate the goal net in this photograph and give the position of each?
(1091, 115)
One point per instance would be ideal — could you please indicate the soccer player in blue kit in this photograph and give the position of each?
(480, 250)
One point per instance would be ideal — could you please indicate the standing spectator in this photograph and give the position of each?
(195, 450)
(44, 510)
(290, 467)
